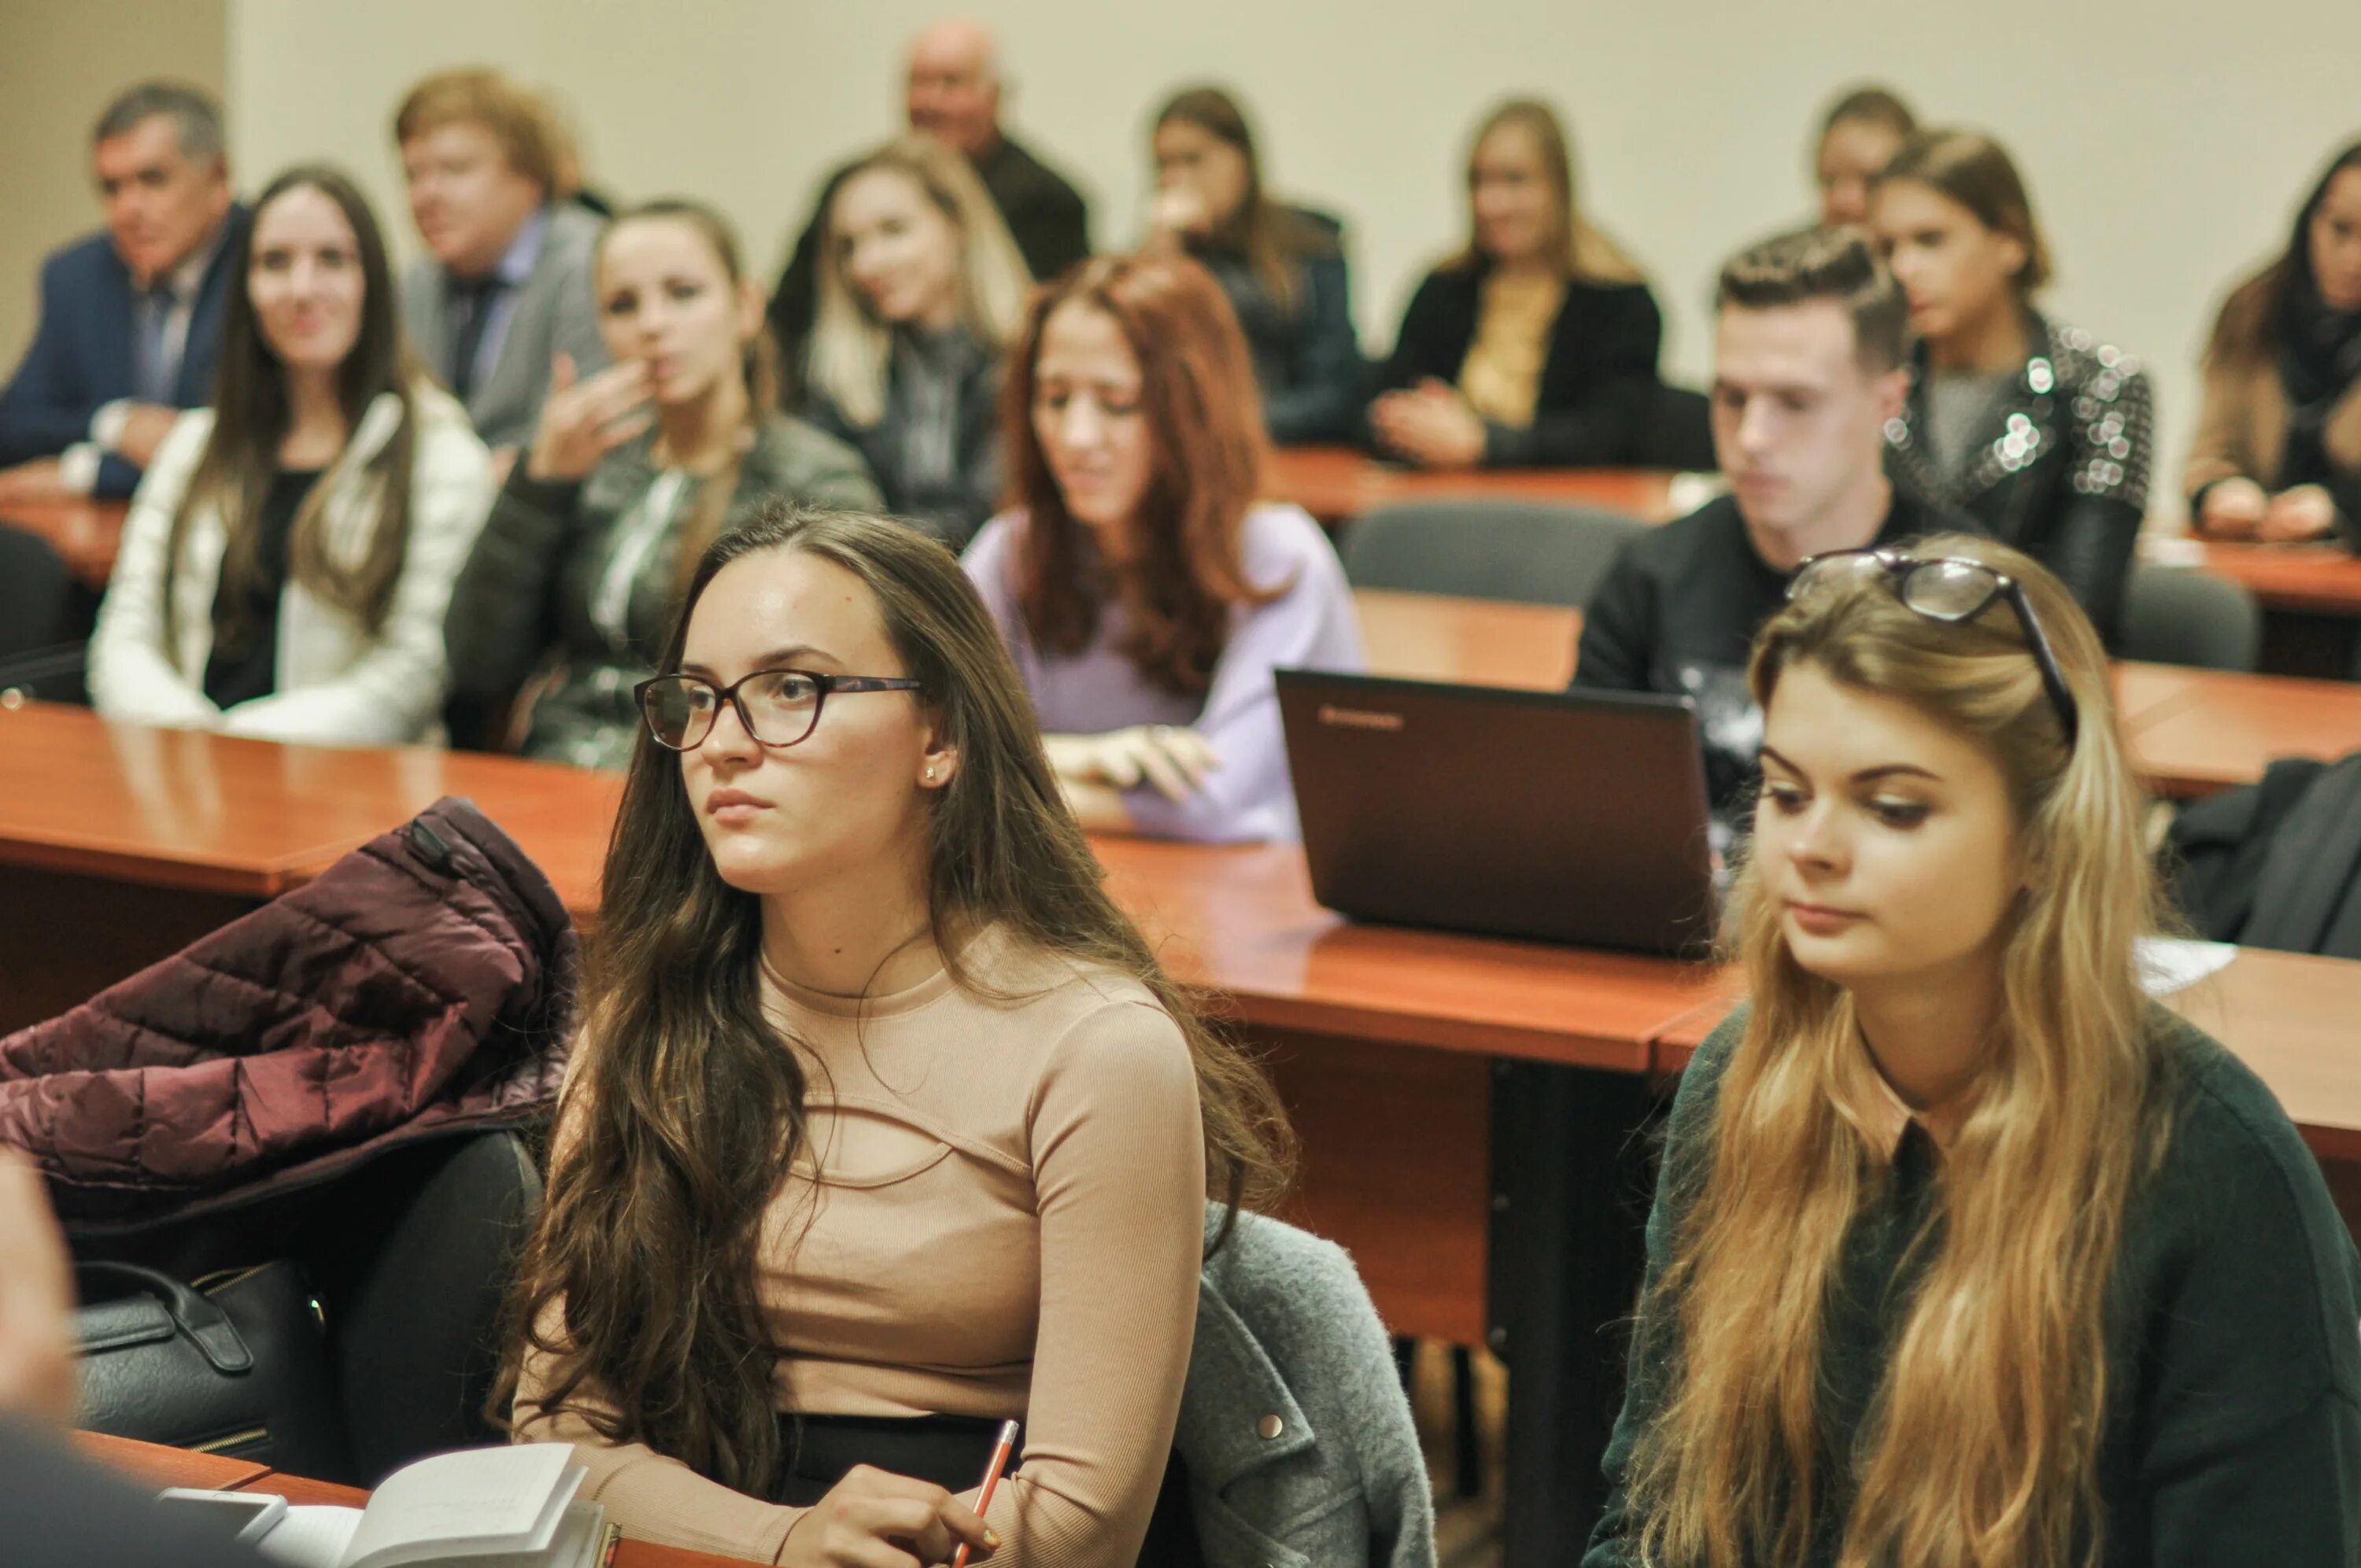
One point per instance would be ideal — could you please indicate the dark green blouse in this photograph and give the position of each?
(2233, 1420)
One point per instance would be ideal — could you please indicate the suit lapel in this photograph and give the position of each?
(202, 355)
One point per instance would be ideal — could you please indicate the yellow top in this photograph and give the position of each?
(1502, 373)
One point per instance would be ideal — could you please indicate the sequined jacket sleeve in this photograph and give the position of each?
(2109, 443)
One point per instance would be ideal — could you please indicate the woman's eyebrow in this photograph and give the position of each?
(1865, 775)
(776, 659)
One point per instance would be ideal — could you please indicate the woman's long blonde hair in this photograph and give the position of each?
(1589, 256)
(851, 349)
(1979, 1447)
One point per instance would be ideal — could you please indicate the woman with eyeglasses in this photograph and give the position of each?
(1146, 591)
(872, 1141)
(1964, 1252)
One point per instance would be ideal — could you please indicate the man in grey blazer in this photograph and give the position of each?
(507, 284)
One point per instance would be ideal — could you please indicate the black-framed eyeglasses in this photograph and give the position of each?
(778, 707)
(1951, 588)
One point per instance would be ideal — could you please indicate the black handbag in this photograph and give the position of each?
(234, 1364)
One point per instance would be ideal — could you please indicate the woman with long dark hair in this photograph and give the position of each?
(288, 555)
(1145, 592)
(631, 471)
(2277, 452)
(1282, 267)
(1966, 1254)
(2035, 429)
(885, 1125)
(1536, 343)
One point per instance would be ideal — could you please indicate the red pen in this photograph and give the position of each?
(1001, 1449)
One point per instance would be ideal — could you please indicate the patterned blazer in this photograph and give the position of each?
(2061, 469)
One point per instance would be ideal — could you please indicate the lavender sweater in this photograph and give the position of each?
(1312, 625)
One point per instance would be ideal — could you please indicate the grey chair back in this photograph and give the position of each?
(2175, 616)
(1535, 552)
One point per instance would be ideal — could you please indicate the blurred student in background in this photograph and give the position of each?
(920, 293)
(1146, 593)
(1282, 267)
(2277, 452)
(1537, 343)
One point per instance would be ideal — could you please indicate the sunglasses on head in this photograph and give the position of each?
(1951, 589)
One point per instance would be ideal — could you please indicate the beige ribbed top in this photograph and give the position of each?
(1007, 1222)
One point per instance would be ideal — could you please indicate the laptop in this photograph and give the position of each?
(1565, 817)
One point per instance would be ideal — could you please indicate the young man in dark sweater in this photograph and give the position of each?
(1808, 368)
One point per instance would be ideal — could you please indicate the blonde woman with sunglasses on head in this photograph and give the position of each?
(1965, 1253)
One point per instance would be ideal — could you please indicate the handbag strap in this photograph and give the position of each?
(205, 1324)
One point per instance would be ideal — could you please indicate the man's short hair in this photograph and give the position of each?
(196, 117)
(516, 117)
(1834, 264)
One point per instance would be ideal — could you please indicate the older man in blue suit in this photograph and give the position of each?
(131, 318)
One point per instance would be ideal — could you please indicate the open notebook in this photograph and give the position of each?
(478, 1508)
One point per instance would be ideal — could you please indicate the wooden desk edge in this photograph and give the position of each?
(1441, 1032)
(193, 873)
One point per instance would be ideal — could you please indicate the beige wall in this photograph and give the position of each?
(59, 64)
(2164, 155)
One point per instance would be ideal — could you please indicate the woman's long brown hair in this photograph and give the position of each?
(251, 419)
(1981, 1447)
(1275, 240)
(686, 1106)
(1197, 392)
(2249, 331)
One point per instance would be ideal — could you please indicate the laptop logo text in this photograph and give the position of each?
(1359, 717)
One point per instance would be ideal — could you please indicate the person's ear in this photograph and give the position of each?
(2016, 256)
(1890, 392)
(750, 318)
(939, 763)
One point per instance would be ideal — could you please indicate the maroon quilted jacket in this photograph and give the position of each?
(422, 984)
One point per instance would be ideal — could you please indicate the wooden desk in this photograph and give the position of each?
(2216, 728)
(121, 844)
(151, 1465)
(1486, 643)
(2290, 1016)
(86, 534)
(1337, 484)
(2320, 579)
(2311, 596)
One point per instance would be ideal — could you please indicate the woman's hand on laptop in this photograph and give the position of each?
(1171, 758)
(873, 1516)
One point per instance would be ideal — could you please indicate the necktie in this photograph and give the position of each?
(471, 303)
(157, 367)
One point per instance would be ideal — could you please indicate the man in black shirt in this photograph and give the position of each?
(953, 95)
(1808, 355)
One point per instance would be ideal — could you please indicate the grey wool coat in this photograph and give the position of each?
(1293, 1425)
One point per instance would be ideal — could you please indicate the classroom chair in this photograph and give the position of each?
(2175, 616)
(1680, 433)
(1533, 551)
(45, 620)
(409, 1259)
